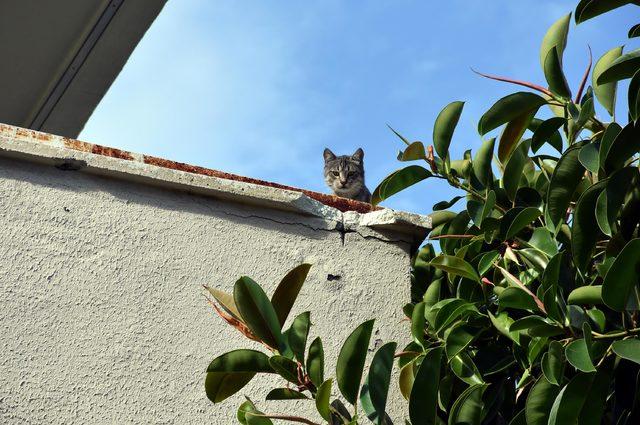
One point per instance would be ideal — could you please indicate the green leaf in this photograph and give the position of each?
(464, 368)
(589, 157)
(230, 372)
(418, 323)
(248, 415)
(482, 162)
(634, 31)
(553, 73)
(634, 97)
(517, 219)
(512, 133)
(542, 240)
(444, 127)
(467, 409)
(286, 368)
(502, 322)
(588, 9)
(535, 326)
(315, 362)
(378, 382)
(478, 211)
(226, 301)
(627, 349)
(443, 205)
(400, 136)
(423, 401)
(514, 297)
(508, 108)
(458, 339)
(441, 217)
(611, 200)
(578, 355)
(351, 361)
(624, 146)
(608, 137)
(586, 295)
(594, 405)
(514, 168)
(581, 401)
(406, 378)
(297, 335)
(555, 37)
(553, 363)
(258, 312)
(398, 181)
(606, 93)
(322, 399)
(287, 291)
(413, 152)
(285, 394)
(620, 68)
(455, 266)
(547, 131)
(622, 277)
(539, 401)
(583, 230)
(564, 181)
(486, 261)
(451, 311)
(587, 110)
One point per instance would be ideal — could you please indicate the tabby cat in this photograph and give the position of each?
(345, 175)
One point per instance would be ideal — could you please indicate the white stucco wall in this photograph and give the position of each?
(102, 314)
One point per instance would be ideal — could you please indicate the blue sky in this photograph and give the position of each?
(260, 88)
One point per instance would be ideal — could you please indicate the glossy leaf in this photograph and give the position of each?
(455, 266)
(620, 68)
(634, 31)
(397, 181)
(248, 415)
(287, 291)
(322, 399)
(458, 339)
(608, 137)
(572, 399)
(622, 277)
(606, 93)
(351, 361)
(286, 368)
(482, 162)
(624, 147)
(413, 152)
(467, 409)
(553, 363)
(522, 217)
(258, 312)
(555, 76)
(378, 381)
(564, 181)
(444, 127)
(315, 362)
(443, 205)
(285, 394)
(627, 349)
(463, 367)
(230, 372)
(547, 131)
(423, 401)
(297, 335)
(514, 168)
(634, 97)
(450, 312)
(511, 135)
(513, 297)
(583, 231)
(508, 108)
(418, 323)
(535, 326)
(586, 295)
(226, 301)
(588, 9)
(577, 353)
(502, 322)
(539, 401)
(555, 37)
(406, 378)
(589, 157)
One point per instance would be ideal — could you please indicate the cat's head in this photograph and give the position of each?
(344, 174)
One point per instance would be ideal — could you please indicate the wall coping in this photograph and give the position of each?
(70, 154)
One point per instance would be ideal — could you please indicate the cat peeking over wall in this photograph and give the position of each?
(345, 175)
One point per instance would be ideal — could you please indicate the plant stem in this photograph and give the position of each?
(634, 331)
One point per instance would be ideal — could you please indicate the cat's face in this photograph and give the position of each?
(344, 174)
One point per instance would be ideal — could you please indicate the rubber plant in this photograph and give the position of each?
(529, 314)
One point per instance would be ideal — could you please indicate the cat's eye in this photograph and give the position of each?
(335, 173)
(351, 174)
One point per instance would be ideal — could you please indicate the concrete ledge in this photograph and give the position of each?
(75, 155)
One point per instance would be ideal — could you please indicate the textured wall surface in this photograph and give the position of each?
(102, 316)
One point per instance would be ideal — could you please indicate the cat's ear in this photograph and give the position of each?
(358, 155)
(328, 155)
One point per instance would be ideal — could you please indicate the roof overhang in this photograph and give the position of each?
(60, 57)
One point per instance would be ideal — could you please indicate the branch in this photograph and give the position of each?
(518, 82)
(452, 237)
(584, 78)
